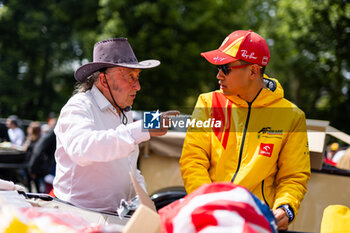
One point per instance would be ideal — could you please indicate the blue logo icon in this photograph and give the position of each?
(151, 120)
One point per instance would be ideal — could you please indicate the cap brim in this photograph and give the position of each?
(86, 70)
(217, 57)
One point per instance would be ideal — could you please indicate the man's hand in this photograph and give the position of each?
(282, 219)
(164, 118)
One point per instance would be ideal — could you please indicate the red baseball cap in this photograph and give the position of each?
(240, 45)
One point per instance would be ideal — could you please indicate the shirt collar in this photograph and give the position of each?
(101, 100)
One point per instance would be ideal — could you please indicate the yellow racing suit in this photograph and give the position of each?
(261, 145)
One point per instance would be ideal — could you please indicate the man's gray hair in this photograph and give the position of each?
(87, 84)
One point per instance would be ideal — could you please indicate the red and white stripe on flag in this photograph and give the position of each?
(218, 207)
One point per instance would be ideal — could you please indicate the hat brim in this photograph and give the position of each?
(217, 57)
(86, 70)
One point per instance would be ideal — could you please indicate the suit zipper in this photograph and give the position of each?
(244, 135)
(242, 144)
(262, 191)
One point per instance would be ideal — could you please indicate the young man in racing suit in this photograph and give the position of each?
(262, 141)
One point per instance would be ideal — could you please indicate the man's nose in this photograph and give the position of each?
(220, 75)
(137, 85)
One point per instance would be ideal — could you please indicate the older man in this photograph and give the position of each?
(97, 140)
(262, 141)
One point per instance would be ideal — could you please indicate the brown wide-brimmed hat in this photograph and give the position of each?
(110, 53)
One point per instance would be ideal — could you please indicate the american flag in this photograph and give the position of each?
(218, 207)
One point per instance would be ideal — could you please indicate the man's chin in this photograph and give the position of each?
(130, 103)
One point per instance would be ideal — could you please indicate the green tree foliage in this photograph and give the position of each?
(42, 42)
(310, 53)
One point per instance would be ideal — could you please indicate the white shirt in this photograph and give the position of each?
(16, 136)
(95, 153)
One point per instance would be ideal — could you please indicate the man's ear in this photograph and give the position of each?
(102, 80)
(254, 71)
